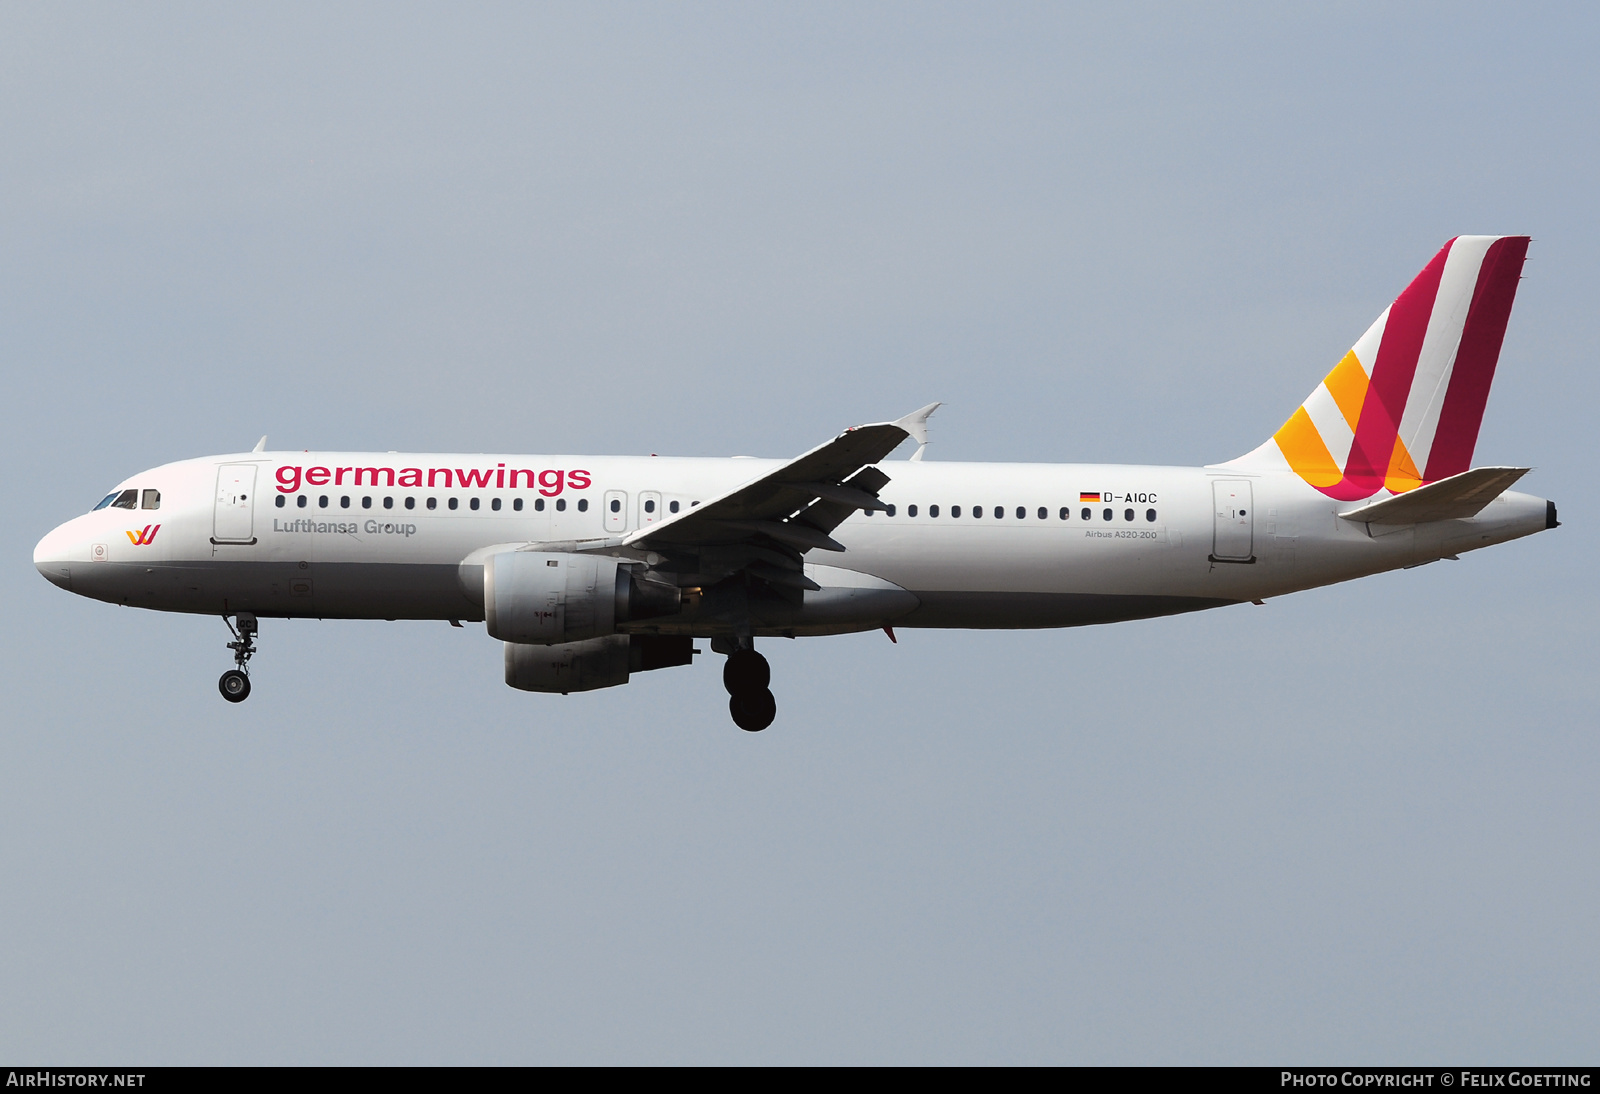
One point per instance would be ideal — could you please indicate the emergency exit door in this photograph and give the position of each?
(649, 508)
(616, 504)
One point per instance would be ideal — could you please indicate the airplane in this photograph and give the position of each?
(590, 569)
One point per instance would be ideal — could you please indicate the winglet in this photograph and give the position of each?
(916, 425)
(261, 445)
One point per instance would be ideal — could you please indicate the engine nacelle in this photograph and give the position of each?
(597, 663)
(542, 598)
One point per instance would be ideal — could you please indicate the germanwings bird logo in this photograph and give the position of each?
(145, 536)
(1404, 405)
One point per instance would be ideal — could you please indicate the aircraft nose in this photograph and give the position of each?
(50, 559)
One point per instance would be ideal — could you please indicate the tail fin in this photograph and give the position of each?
(1404, 405)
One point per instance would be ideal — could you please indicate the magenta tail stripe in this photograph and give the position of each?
(1479, 352)
(1392, 374)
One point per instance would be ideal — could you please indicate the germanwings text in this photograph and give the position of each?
(548, 482)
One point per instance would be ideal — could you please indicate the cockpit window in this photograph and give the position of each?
(128, 499)
(152, 500)
(105, 501)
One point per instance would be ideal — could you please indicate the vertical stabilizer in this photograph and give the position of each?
(1403, 407)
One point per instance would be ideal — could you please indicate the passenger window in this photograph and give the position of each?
(933, 510)
(454, 502)
(1150, 515)
(433, 503)
(538, 505)
(473, 504)
(561, 505)
(1127, 514)
(322, 502)
(366, 502)
(388, 503)
(1065, 512)
(955, 510)
(911, 510)
(616, 505)
(649, 506)
(1044, 513)
(344, 501)
(128, 499)
(1106, 514)
(495, 505)
(152, 500)
(977, 511)
(1022, 513)
(583, 505)
(301, 501)
(889, 511)
(999, 511)
(1086, 513)
(281, 502)
(516, 503)
(672, 507)
(411, 503)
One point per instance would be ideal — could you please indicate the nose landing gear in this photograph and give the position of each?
(746, 676)
(235, 683)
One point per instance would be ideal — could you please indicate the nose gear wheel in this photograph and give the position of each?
(235, 683)
(235, 686)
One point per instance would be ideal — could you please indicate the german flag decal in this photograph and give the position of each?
(1085, 496)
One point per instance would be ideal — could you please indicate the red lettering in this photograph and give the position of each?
(338, 475)
(473, 477)
(579, 479)
(550, 483)
(521, 471)
(318, 476)
(386, 470)
(410, 476)
(500, 477)
(445, 471)
(288, 480)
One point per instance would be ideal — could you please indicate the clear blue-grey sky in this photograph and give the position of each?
(1358, 824)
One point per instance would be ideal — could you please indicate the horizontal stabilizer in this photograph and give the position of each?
(1456, 498)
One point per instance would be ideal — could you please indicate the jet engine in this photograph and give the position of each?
(596, 663)
(540, 598)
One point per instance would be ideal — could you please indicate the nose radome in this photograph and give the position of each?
(50, 559)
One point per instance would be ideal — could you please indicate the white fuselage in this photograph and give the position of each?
(973, 544)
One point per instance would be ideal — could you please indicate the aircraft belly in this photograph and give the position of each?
(1014, 610)
(283, 589)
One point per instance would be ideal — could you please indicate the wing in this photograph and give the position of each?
(764, 527)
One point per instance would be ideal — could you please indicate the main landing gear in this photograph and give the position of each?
(746, 676)
(235, 683)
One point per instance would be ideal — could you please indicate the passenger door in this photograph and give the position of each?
(234, 518)
(1233, 530)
